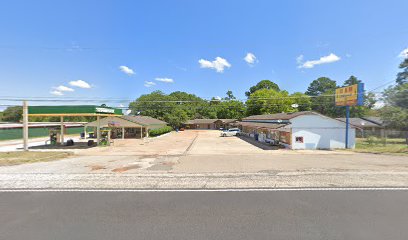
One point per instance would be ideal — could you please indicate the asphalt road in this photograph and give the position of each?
(204, 215)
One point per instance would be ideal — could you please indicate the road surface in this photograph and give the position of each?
(358, 214)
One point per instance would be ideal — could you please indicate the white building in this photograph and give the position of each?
(300, 130)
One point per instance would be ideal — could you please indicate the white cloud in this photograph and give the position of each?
(217, 98)
(127, 70)
(166, 80)
(299, 59)
(121, 105)
(219, 64)
(404, 53)
(80, 84)
(250, 58)
(323, 60)
(62, 88)
(56, 93)
(149, 84)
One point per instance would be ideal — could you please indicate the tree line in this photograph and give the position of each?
(266, 97)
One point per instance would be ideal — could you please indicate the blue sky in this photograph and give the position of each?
(47, 44)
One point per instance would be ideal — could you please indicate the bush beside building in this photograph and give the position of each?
(160, 131)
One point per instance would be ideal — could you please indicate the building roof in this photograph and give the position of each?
(261, 125)
(283, 118)
(227, 120)
(279, 116)
(209, 121)
(361, 122)
(201, 121)
(376, 120)
(143, 120)
(128, 122)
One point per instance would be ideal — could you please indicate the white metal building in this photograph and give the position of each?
(300, 130)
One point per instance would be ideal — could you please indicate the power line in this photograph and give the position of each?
(98, 100)
(159, 101)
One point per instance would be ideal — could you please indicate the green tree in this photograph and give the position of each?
(351, 81)
(303, 101)
(174, 108)
(324, 104)
(322, 91)
(13, 114)
(176, 118)
(230, 95)
(268, 101)
(189, 103)
(264, 84)
(229, 108)
(206, 111)
(320, 86)
(402, 77)
(395, 110)
(156, 104)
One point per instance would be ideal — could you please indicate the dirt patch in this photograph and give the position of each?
(96, 167)
(124, 169)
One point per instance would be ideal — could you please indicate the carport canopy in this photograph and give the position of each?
(114, 122)
(73, 110)
(123, 122)
(66, 111)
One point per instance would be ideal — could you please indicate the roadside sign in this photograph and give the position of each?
(352, 95)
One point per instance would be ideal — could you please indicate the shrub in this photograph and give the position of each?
(371, 140)
(160, 131)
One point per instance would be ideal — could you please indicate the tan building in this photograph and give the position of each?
(210, 123)
(128, 126)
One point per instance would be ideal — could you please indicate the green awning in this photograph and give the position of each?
(73, 110)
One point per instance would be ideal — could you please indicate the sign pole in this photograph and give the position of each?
(347, 124)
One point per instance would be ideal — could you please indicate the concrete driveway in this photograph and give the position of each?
(205, 151)
(211, 153)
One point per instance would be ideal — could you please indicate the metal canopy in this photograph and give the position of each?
(73, 110)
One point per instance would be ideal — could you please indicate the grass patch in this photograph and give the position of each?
(15, 158)
(376, 145)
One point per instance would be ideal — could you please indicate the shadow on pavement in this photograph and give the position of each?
(77, 145)
(263, 146)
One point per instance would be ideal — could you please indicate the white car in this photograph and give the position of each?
(231, 132)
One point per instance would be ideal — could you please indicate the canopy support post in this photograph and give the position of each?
(25, 125)
(141, 132)
(98, 130)
(123, 132)
(62, 130)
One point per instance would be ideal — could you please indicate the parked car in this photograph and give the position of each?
(231, 132)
